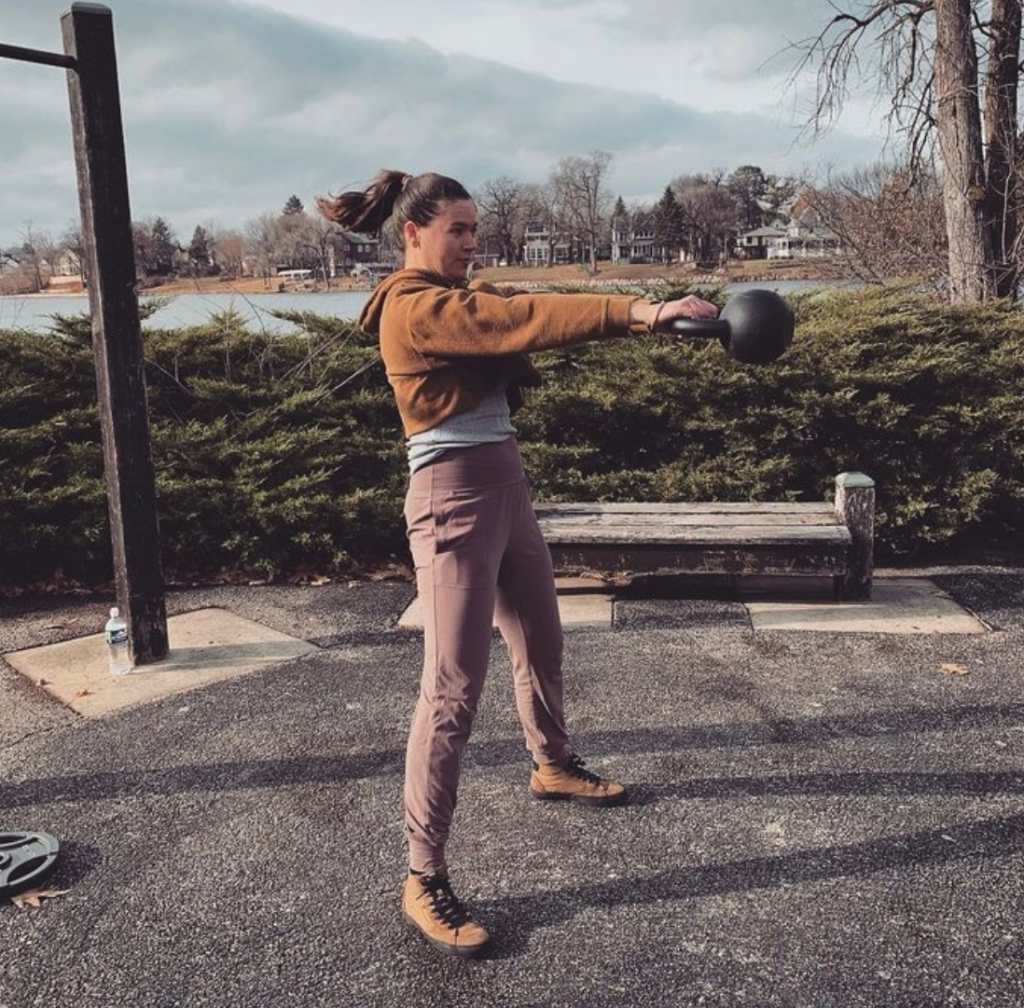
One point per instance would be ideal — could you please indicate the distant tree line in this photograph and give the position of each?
(289, 239)
(697, 217)
(889, 219)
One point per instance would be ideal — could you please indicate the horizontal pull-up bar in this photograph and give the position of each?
(36, 56)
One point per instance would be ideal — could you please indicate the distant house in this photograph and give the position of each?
(806, 237)
(537, 245)
(565, 249)
(349, 249)
(67, 263)
(755, 244)
(8, 264)
(633, 239)
(544, 247)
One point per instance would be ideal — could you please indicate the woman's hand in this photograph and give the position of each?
(656, 315)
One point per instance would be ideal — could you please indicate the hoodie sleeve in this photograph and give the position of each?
(456, 322)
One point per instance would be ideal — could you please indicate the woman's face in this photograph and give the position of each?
(445, 245)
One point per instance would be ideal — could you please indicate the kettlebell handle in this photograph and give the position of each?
(717, 328)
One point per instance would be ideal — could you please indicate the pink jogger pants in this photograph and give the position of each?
(478, 554)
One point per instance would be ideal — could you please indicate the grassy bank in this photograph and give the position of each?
(283, 456)
(733, 271)
(677, 273)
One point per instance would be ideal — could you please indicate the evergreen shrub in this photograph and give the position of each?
(283, 455)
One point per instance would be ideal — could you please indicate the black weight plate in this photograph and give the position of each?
(26, 859)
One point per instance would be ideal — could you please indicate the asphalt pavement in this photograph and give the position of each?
(817, 819)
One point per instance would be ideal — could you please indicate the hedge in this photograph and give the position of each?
(282, 455)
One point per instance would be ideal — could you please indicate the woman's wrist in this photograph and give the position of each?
(643, 316)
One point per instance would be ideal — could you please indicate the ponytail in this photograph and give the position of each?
(368, 210)
(395, 195)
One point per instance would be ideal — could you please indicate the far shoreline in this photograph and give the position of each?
(734, 271)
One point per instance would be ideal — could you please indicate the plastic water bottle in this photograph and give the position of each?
(116, 635)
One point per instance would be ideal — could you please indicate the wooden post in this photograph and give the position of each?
(855, 508)
(88, 31)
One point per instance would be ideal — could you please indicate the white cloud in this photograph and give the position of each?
(229, 108)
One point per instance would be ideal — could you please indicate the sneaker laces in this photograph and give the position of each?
(445, 904)
(575, 767)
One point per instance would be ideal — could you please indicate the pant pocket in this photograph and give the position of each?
(456, 520)
(467, 534)
(419, 529)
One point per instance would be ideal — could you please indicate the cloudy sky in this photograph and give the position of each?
(230, 107)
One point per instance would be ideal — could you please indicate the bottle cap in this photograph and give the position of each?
(115, 613)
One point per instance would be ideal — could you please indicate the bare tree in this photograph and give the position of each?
(299, 239)
(499, 201)
(37, 254)
(229, 250)
(320, 235)
(583, 198)
(889, 221)
(293, 247)
(71, 239)
(950, 70)
(261, 241)
(710, 213)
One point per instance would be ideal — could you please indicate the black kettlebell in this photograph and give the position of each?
(755, 327)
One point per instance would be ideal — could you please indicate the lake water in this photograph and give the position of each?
(35, 312)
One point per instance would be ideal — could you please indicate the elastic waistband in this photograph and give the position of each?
(488, 465)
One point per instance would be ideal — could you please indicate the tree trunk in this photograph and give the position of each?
(1001, 141)
(959, 125)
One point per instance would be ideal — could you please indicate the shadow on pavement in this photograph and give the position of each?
(245, 774)
(513, 920)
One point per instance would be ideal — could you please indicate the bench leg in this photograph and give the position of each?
(855, 508)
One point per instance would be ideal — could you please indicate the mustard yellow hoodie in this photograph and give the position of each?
(448, 344)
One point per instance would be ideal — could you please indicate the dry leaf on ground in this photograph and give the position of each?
(954, 668)
(83, 693)
(34, 897)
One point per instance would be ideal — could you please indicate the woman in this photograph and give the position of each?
(455, 354)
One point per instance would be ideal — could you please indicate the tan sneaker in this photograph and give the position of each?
(430, 904)
(570, 782)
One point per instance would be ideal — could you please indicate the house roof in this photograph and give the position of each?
(764, 232)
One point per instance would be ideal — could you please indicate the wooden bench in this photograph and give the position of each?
(802, 538)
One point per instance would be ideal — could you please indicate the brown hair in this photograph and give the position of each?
(395, 195)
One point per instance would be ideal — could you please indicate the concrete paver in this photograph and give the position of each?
(896, 606)
(205, 646)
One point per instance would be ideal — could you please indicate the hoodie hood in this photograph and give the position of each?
(370, 316)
